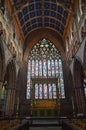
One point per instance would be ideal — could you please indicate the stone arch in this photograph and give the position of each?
(78, 90)
(39, 34)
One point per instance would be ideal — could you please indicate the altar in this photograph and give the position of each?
(45, 99)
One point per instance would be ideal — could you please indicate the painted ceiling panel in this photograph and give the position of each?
(33, 14)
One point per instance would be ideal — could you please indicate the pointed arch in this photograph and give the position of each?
(45, 62)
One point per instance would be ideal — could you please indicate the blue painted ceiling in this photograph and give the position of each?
(33, 14)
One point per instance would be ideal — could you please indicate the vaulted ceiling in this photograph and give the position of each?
(29, 15)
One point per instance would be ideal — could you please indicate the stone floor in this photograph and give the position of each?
(45, 125)
(46, 121)
(45, 128)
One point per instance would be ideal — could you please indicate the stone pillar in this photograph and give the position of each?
(1, 88)
(10, 102)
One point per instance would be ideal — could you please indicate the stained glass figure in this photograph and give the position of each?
(56, 68)
(50, 91)
(53, 68)
(40, 68)
(36, 68)
(44, 68)
(36, 91)
(54, 91)
(45, 94)
(49, 68)
(33, 67)
(40, 91)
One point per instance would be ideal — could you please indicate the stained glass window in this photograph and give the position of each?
(45, 62)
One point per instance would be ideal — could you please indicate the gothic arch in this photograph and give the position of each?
(45, 73)
(39, 34)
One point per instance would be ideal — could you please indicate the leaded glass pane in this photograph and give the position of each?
(56, 68)
(62, 91)
(28, 94)
(36, 68)
(53, 67)
(33, 67)
(28, 79)
(40, 68)
(44, 68)
(40, 91)
(54, 90)
(49, 68)
(50, 91)
(36, 91)
(45, 91)
(29, 68)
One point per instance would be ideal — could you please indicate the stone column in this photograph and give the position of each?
(10, 102)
